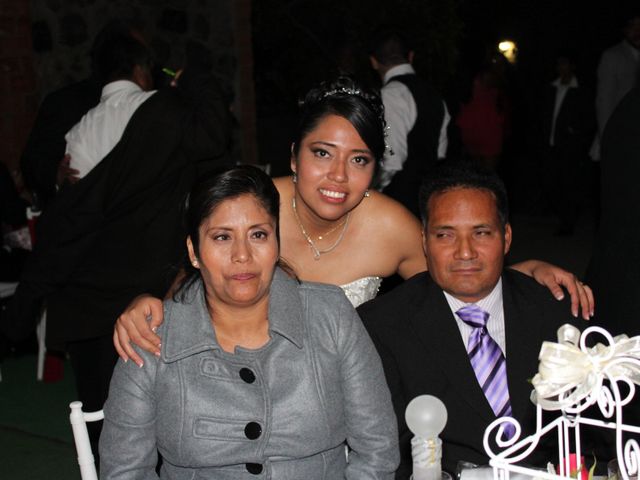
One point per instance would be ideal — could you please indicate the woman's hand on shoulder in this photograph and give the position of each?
(554, 278)
(137, 324)
(404, 236)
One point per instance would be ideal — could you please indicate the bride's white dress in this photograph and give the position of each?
(362, 290)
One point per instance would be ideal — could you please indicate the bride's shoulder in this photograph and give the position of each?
(386, 211)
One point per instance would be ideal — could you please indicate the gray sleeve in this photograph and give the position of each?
(371, 424)
(128, 439)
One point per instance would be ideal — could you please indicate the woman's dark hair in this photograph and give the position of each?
(216, 187)
(347, 99)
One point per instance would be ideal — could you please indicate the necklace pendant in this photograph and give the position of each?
(320, 237)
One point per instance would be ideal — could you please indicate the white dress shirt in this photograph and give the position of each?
(561, 92)
(400, 113)
(100, 129)
(492, 304)
(617, 74)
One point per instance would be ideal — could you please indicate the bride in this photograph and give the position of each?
(333, 229)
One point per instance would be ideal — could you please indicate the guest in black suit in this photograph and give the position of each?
(423, 341)
(568, 126)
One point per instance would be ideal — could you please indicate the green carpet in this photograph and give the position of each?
(35, 436)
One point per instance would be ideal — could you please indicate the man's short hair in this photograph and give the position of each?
(451, 175)
(389, 46)
(117, 53)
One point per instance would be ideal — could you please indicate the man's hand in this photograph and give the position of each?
(554, 278)
(138, 324)
(66, 174)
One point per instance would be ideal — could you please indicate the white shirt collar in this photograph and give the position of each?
(402, 69)
(117, 86)
(573, 83)
(490, 303)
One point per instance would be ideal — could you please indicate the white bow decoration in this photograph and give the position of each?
(569, 372)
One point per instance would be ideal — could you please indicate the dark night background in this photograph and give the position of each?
(299, 42)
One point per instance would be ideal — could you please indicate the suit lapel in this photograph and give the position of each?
(522, 333)
(435, 327)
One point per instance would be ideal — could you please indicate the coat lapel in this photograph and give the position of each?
(522, 326)
(436, 329)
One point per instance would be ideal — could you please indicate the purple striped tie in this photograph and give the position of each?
(488, 363)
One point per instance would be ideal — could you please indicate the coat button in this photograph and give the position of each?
(247, 375)
(254, 468)
(253, 430)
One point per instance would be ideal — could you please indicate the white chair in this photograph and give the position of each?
(79, 420)
(41, 333)
(7, 289)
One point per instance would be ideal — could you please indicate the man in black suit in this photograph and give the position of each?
(568, 126)
(423, 341)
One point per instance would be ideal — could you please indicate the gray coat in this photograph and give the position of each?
(283, 411)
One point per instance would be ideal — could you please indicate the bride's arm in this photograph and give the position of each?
(554, 278)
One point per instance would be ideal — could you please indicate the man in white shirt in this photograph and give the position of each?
(568, 127)
(427, 330)
(416, 117)
(126, 65)
(618, 73)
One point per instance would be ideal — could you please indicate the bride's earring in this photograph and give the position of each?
(295, 177)
(366, 193)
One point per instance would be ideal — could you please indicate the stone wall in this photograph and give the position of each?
(62, 31)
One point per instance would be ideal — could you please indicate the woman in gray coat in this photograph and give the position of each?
(259, 376)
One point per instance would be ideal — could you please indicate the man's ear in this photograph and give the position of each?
(507, 238)
(410, 56)
(374, 63)
(142, 77)
(424, 243)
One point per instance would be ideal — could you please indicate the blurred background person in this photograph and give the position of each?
(568, 123)
(484, 119)
(416, 116)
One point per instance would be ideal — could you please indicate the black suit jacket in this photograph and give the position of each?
(60, 110)
(614, 271)
(423, 352)
(575, 123)
(117, 232)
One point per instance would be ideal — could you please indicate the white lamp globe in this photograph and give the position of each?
(426, 416)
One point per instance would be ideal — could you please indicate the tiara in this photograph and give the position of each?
(344, 90)
(359, 93)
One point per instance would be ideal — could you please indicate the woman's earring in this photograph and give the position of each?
(366, 193)
(295, 177)
(195, 263)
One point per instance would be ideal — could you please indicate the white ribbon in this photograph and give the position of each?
(568, 374)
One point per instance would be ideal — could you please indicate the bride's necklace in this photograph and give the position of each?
(316, 251)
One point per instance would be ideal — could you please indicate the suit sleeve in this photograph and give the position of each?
(128, 440)
(371, 424)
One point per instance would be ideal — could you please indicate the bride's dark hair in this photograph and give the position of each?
(348, 99)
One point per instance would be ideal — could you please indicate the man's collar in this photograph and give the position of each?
(402, 69)
(119, 85)
(190, 330)
(573, 83)
(488, 303)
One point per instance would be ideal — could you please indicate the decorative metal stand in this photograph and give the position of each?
(571, 378)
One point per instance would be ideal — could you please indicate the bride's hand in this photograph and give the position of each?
(137, 324)
(554, 278)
